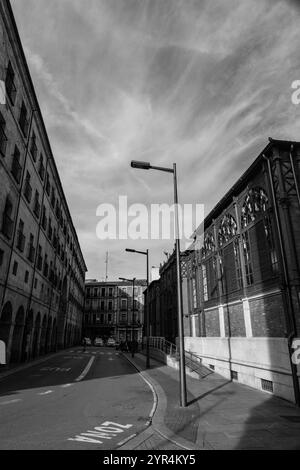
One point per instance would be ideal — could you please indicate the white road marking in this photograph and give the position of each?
(66, 385)
(107, 430)
(110, 359)
(11, 402)
(46, 393)
(86, 370)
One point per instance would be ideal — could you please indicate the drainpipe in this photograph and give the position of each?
(290, 313)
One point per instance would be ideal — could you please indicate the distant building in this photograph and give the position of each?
(109, 310)
(42, 270)
(243, 284)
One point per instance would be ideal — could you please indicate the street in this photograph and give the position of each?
(75, 400)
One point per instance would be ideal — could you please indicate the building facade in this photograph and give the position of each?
(111, 312)
(243, 279)
(42, 269)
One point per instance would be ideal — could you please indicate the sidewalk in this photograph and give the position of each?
(220, 415)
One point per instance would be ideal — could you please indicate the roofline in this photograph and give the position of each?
(24, 60)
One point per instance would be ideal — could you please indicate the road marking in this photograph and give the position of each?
(11, 402)
(107, 430)
(86, 370)
(66, 385)
(55, 369)
(46, 393)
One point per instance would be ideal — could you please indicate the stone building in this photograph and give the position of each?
(42, 270)
(110, 311)
(243, 279)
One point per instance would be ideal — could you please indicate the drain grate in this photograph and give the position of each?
(292, 419)
(267, 385)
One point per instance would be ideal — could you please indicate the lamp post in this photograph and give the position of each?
(182, 378)
(146, 253)
(133, 281)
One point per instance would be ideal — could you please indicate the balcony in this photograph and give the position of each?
(31, 253)
(21, 241)
(3, 140)
(16, 170)
(28, 191)
(7, 226)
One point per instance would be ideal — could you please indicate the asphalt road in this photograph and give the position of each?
(75, 400)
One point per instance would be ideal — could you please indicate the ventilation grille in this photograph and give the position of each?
(267, 385)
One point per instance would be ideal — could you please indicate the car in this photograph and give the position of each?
(111, 342)
(98, 342)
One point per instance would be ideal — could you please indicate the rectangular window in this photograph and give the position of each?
(194, 293)
(42, 168)
(26, 277)
(40, 259)
(16, 168)
(31, 249)
(3, 138)
(11, 90)
(33, 147)
(28, 188)
(247, 259)
(15, 268)
(204, 277)
(238, 267)
(103, 292)
(35, 283)
(102, 305)
(1, 257)
(110, 292)
(7, 221)
(124, 304)
(23, 120)
(21, 237)
(110, 305)
(37, 206)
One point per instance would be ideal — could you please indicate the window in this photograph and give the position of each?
(31, 249)
(204, 277)
(42, 168)
(21, 237)
(238, 268)
(255, 202)
(10, 86)
(48, 184)
(46, 266)
(109, 317)
(7, 221)
(1, 257)
(35, 283)
(33, 147)
(16, 168)
(27, 187)
(103, 292)
(15, 268)
(194, 293)
(3, 138)
(44, 218)
(247, 259)
(37, 206)
(110, 291)
(23, 120)
(123, 304)
(227, 229)
(40, 259)
(271, 245)
(26, 277)
(53, 198)
(110, 305)
(102, 305)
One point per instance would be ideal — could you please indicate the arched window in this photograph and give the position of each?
(256, 202)
(227, 229)
(208, 245)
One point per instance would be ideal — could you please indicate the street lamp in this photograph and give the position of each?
(146, 253)
(133, 281)
(182, 378)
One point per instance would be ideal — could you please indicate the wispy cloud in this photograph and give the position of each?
(197, 82)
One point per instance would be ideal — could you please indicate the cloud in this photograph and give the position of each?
(203, 84)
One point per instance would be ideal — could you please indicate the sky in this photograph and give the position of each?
(202, 84)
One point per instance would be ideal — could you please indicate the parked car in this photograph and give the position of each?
(98, 342)
(111, 342)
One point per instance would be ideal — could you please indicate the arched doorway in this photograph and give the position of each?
(5, 326)
(43, 336)
(16, 344)
(36, 334)
(27, 337)
(48, 336)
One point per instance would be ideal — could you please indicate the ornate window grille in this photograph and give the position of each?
(255, 203)
(227, 230)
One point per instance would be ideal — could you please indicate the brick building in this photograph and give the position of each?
(109, 310)
(243, 280)
(42, 270)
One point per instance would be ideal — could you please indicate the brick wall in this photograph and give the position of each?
(267, 317)
(212, 323)
(234, 320)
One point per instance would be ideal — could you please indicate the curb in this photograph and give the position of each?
(157, 423)
(15, 370)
